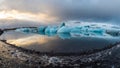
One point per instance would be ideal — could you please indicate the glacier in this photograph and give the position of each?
(75, 29)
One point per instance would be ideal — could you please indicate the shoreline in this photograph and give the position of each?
(92, 51)
(35, 59)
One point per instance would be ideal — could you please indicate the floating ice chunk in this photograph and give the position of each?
(41, 28)
(87, 29)
(97, 31)
(76, 30)
(27, 30)
(51, 30)
(113, 32)
(64, 29)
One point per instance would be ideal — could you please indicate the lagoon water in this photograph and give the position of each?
(64, 43)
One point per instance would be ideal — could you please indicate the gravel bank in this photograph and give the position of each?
(12, 57)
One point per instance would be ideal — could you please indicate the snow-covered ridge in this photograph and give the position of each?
(76, 29)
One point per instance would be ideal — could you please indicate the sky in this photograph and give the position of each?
(35, 12)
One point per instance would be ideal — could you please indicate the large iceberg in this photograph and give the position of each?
(81, 29)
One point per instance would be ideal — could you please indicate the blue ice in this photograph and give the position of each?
(80, 29)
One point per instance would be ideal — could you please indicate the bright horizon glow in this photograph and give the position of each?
(14, 14)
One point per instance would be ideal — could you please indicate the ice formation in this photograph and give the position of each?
(64, 29)
(27, 30)
(51, 29)
(75, 29)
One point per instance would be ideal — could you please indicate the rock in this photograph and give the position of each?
(110, 53)
(3, 51)
(54, 60)
(1, 31)
(90, 59)
(0, 58)
(76, 65)
(12, 52)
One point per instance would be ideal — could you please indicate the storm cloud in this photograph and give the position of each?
(66, 10)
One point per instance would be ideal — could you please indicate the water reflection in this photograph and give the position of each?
(64, 36)
(57, 42)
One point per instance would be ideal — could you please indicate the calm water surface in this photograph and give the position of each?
(58, 43)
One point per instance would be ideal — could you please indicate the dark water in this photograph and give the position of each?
(57, 43)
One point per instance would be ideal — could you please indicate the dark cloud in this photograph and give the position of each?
(85, 10)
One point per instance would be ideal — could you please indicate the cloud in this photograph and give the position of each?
(86, 10)
(38, 17)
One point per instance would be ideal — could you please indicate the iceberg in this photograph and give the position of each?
(87, 31)
(25, 30)
(113, 32)
(41, 28)
(64, 29)
(51, 30)
(75, 29)
(63, 24)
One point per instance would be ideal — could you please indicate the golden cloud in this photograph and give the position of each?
(38, 17)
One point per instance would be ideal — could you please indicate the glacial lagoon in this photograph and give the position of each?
(46, 39)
